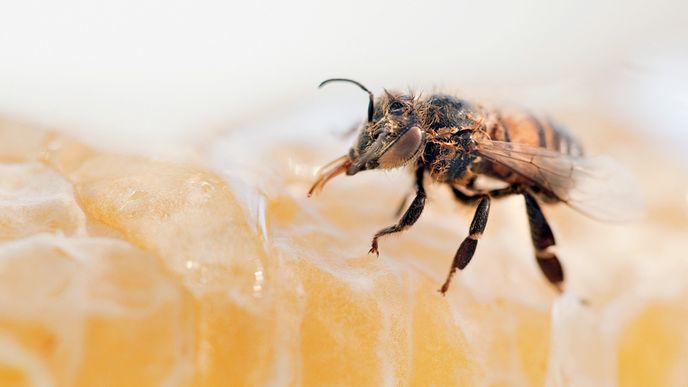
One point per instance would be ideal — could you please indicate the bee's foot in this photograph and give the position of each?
(373, 248)
(443, 289)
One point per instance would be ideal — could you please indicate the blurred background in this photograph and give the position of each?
(275, 277)
(154, 74)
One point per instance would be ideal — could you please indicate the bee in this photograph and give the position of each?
(457, 143)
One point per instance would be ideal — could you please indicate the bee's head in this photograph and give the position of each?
(391, 137)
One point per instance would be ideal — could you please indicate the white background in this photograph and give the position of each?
(155, 74)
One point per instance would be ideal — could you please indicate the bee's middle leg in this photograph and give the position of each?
(410, 216)
(465, 198)
(467, 248)
(494, 194)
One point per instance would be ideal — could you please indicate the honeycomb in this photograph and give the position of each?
(128, 269)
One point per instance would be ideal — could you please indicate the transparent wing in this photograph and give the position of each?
(598, 187)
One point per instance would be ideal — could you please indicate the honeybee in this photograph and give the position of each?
(456, 142)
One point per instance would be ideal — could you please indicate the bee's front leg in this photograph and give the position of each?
(410, 216)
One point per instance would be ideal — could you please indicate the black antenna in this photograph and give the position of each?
(370, 103)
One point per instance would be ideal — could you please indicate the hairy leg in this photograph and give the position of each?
(410, 216)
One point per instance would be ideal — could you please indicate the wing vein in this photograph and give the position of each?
(597, 187)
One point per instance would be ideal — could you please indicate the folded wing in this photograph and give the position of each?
(598, 187)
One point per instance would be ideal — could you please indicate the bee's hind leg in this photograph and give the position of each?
(410, 216)
(543, 241)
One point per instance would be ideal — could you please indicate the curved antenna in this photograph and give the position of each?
(371, 106)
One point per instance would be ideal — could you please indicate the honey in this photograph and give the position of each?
(120, 269)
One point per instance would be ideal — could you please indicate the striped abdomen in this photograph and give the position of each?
(523, 128)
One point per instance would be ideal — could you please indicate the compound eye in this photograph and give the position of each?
(396, 107)
(403, 149)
